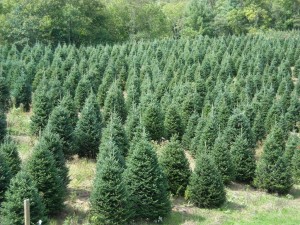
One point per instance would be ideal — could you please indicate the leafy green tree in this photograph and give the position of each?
(41, 108)
(243, 158)
(295, 165)
(42, 168)
(146, 182)
(172, 123)
(206, 188)
(5, 176)
(114, 102)
(12, 210)
(88, 129)
(223, 159)
(190, 130)
(51, 141)
(11, 155)
(152, 120)
(109, 191)
(21, 92)
(4, 93)
(176, 167)
(59, 122)
(115, 131)
(273, 172)
(3, 125)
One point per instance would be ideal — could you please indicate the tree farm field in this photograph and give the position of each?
(245, 205)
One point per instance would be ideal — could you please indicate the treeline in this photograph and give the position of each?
(136, 108)
(109, 21)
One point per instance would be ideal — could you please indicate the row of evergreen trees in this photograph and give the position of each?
(216, 98)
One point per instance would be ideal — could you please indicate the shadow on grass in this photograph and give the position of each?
(232, 206)
(180, 217)
(295, 192)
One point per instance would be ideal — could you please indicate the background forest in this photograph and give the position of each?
(99, 21)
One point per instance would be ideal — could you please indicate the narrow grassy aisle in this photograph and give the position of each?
(244, 206)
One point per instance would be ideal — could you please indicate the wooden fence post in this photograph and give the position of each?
(27, 211)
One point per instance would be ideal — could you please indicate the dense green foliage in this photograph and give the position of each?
(109, 198)
(175, 166)
(147, 184)
(206, 188)
(9, 149)
(12, 211)
(5, 176)
(42, 168)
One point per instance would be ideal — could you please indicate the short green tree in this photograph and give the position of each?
(109, 198)
(10, 152)
(172, 123)
(146, 182)
(21, 92)
(243, 159)
(5, 176)
(3, 125)
(52, 142)
(42, 168)
(273, 171)
(88, 129)
(12, 210)
(4, 93)
(206, 189)
(175, 166)
(295, 165)
(222, 157)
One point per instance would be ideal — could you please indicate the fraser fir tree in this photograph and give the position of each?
(295, 165)
(5, 176)
(206, 189)
(146, 182)
(152, 120)
(273, 172)
(41, 108)
(82, 92)
(4, 93)
(42, 168)
(12, 210)
(114, 103)
(132, 122)
(190, 130)
(291, 146)
(175, 166)
(88, 129)
(173, 124)
(59, 122)
(243, 158)
(52, 142)
(2, 125)
(115, 131)
(109, 198)
(21, 92)
(223, 159)
(10, 153)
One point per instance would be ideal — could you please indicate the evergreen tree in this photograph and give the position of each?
(59, 122)
(69, 104)
(5, 176)
(258, 128)
(173, 124)
(222, 157)
(206, 188)
(115, 131)
(109, 198)
(88, 128)
(82, 92)
(52, 142)
(152, 120)
(42, 168)
(175, 166)
(190, 130)
(10, 152)
(243, 158)
(114, 103)
(2, 125)
(291, 147)
(146, 182)
(21, 92)
(12, 210)
(41, 108)
(132, 122)
(295, 165)
(208, 134)
(4, 93)
(273, 171)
